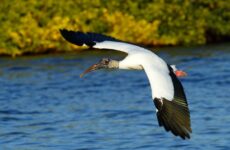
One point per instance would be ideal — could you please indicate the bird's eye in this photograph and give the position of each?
(105, 60)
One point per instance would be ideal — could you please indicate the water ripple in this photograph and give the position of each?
(45, 105)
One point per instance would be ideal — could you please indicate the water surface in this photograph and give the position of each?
(44, 105)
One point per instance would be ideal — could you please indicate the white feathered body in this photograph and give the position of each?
(140, 58)
(157, 72)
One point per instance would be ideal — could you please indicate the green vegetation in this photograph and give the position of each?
(30, 26)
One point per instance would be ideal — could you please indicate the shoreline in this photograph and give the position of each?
(79, 50)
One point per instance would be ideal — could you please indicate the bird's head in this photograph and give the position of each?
(104, 63)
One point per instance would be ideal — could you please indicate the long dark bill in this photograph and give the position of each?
(91, 68)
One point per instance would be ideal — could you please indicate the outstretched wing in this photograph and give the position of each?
(174, 114)
(99, 41)
(167, 91)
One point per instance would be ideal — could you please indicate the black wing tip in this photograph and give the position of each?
(77, 37)
(180, 131)
(65, 32)
(89, 38)
(173, 117)
(62, 30)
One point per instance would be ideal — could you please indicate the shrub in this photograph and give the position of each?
(29, 26)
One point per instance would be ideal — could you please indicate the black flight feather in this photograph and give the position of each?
(174, 115)
(88, 38)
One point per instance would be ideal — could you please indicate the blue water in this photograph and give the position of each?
(44, 105)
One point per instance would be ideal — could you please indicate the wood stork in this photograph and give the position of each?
(167, 92)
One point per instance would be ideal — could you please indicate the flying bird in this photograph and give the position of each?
(167, 91)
